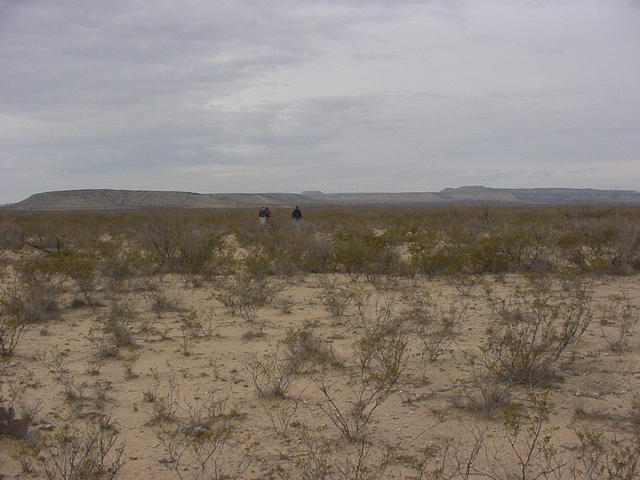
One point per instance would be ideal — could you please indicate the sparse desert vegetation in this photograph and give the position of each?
(451, 342)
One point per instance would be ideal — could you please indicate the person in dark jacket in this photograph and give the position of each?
(263, 214)
(296, 214)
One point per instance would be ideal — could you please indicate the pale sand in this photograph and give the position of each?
(591, 378)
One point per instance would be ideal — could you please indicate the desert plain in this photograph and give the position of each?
(453, 342)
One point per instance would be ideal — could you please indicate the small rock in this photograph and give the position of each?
(45, 426)
(32, 437)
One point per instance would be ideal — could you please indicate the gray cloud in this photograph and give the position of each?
(332, 95)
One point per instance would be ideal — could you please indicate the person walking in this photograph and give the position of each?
(263, 214)
(296, 214)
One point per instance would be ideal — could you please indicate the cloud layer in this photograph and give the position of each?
(336, 95)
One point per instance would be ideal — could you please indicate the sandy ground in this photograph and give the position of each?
(593, 385)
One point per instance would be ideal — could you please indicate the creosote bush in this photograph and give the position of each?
(18, 408)
(336, 297)
(12, 328)
(363, 251)
(195, 435)
(245, 292)
(272, 375)
(529, 333)
(619, 320)
(33, 296)
(91, 450)
(380, 360)
(304, 348)
(286, 249)
(484, 395)
(435, 327)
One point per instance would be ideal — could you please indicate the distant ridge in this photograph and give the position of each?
(106, 199)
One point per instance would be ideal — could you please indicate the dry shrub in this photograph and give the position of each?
(12, 328)
(435, 327)
(195, 436)
(162, 301)
(283, 416)
(120, 261)
(245, 290)
(161, 234)
(248, 311)
(198, 323)
(362, 251)
(11, 237)
(113, 330)
(128, 362)
(599, 457)
(33, 297)
(306, 348)
(11, 425)
(165, 403)
(428, 252)
(484, 395)
(324, 459)
(15, 400)
(287, 249)
(71, 452)
(30, 303)
(620, 316)
(272, 375)
(73, 389)
(381, 359)
(202, 252)
(384, 312)
(529, 333)
(464, 283)
(81, 268)
(336, 297)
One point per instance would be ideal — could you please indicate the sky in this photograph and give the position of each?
(335, 95)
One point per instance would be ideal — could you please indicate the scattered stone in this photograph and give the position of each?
(580, 393)
(32, 437)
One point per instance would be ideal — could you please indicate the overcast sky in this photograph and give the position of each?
(337, 95)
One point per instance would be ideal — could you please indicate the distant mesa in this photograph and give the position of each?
(107, 199)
